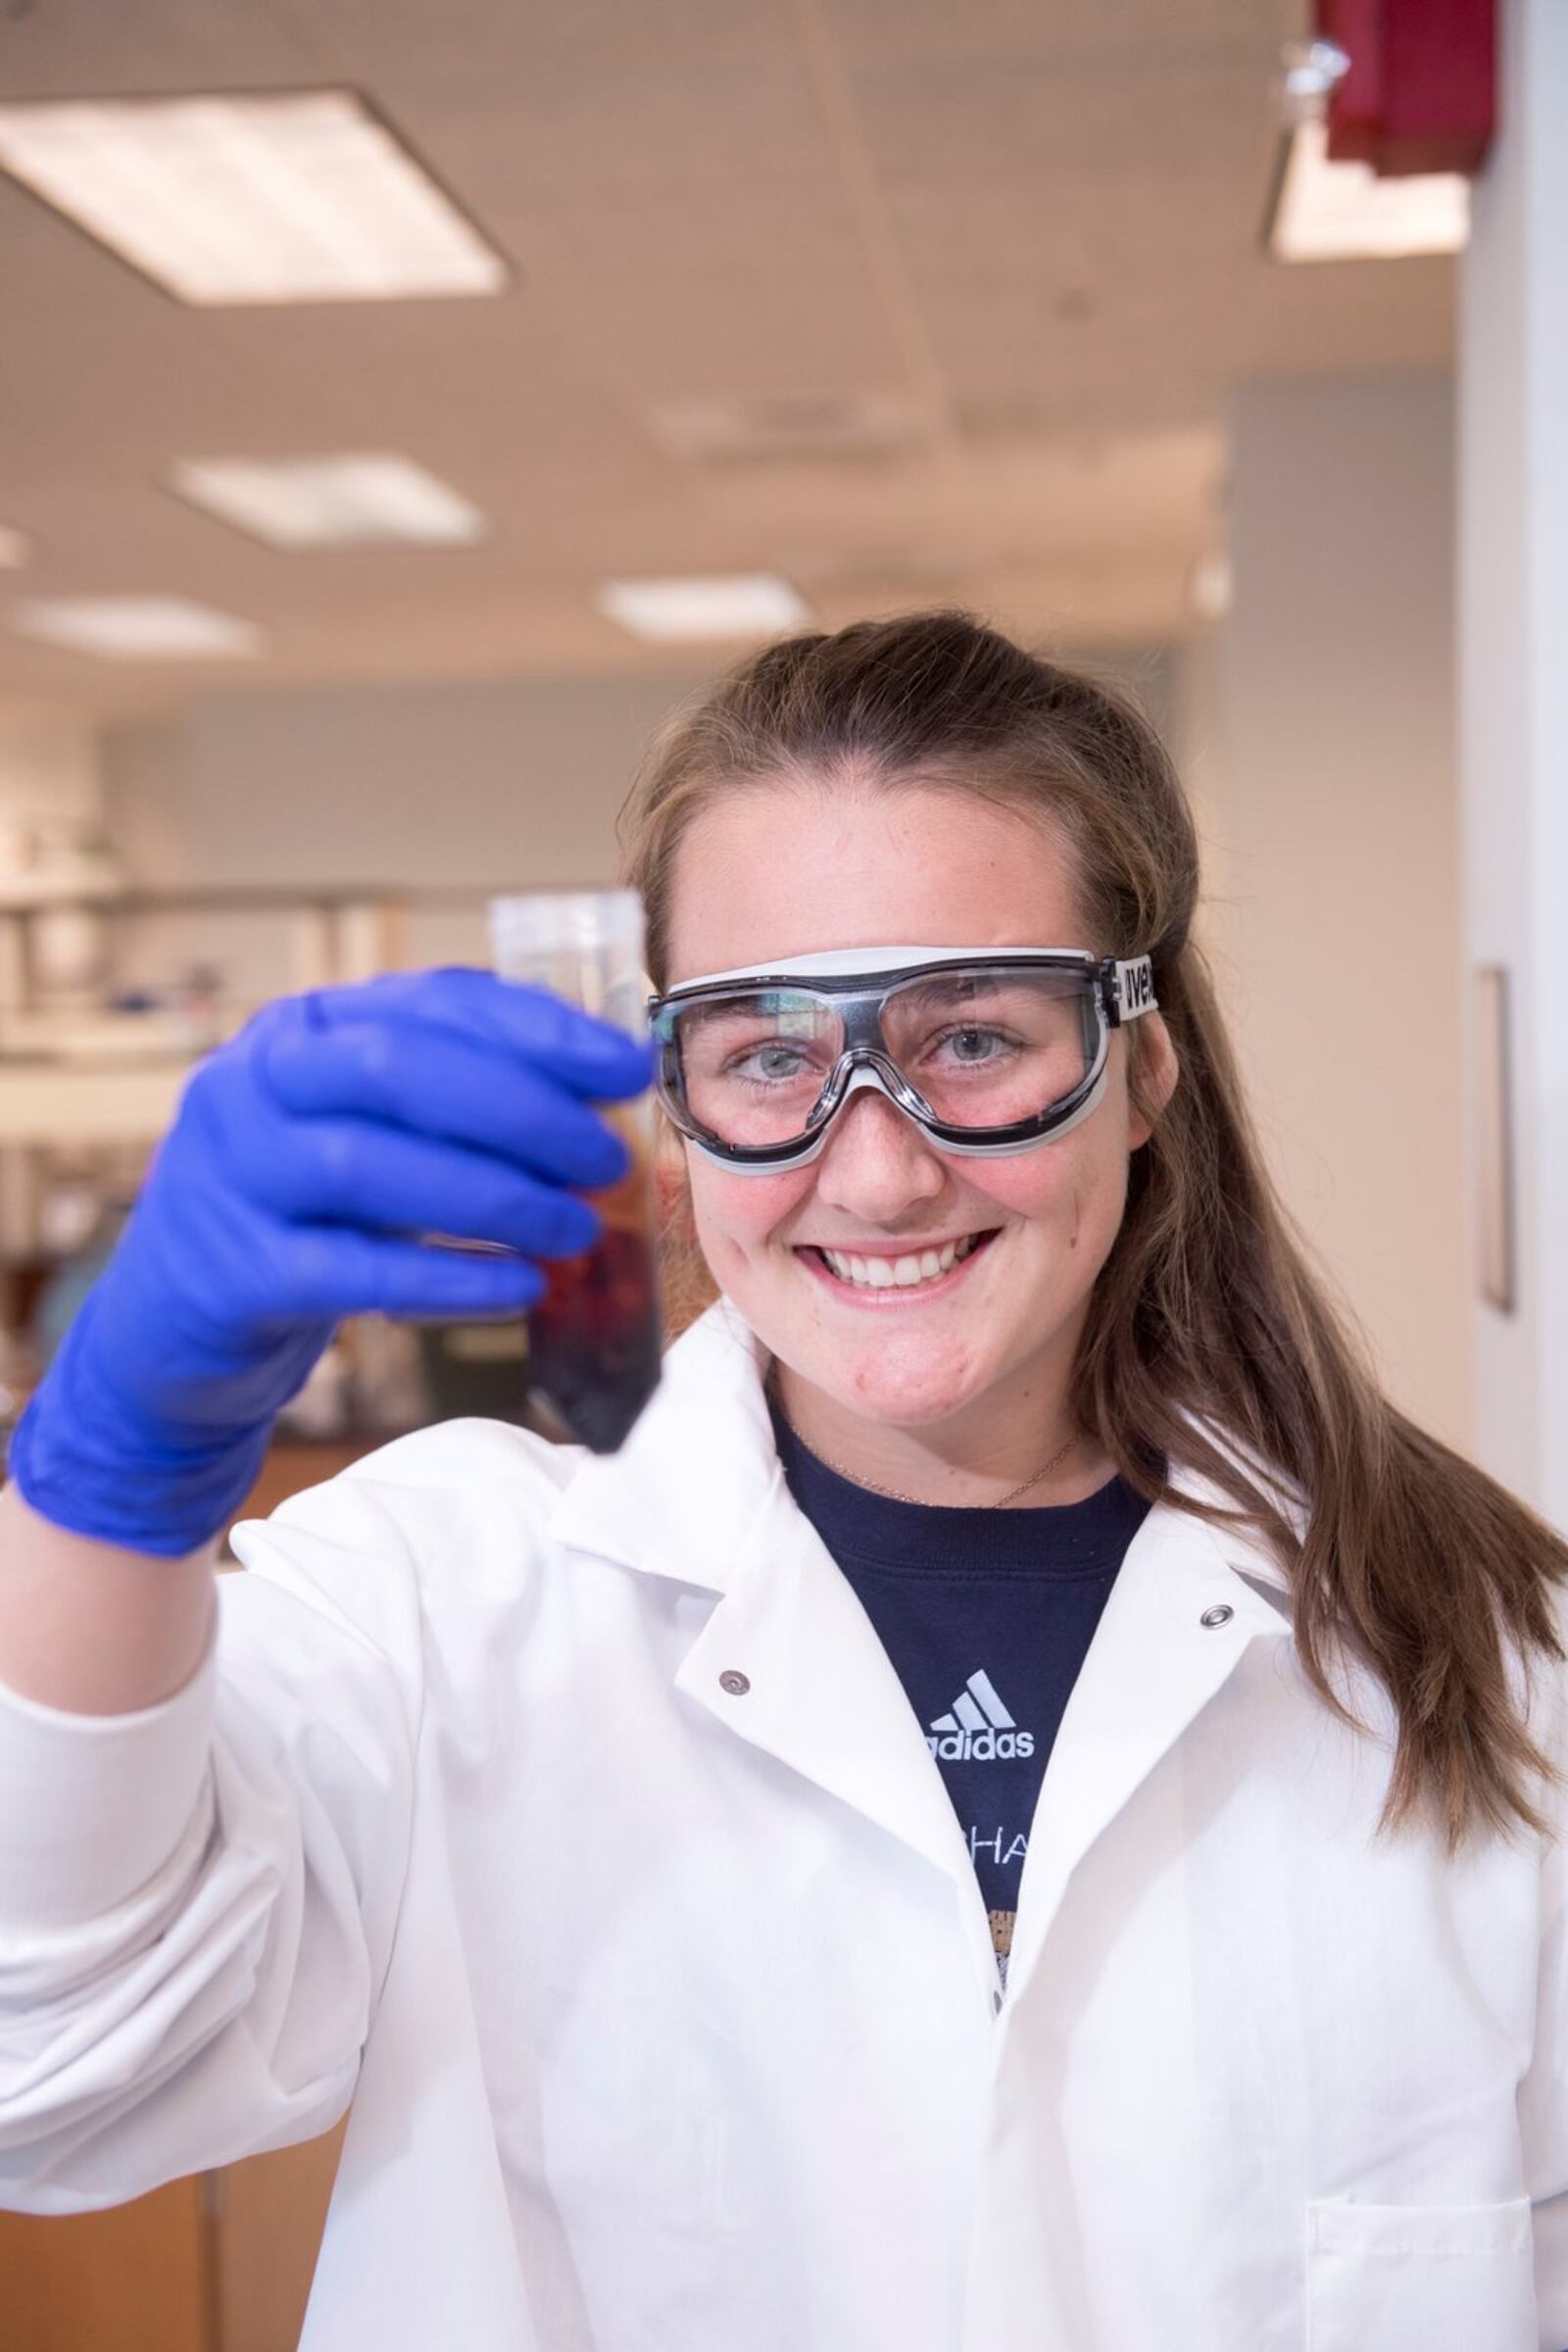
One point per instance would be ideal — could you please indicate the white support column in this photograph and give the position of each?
(1514, 675)
(1324, 751)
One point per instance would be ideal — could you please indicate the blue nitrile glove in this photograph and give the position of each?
(307, 1156)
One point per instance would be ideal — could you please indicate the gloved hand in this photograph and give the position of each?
(308, 1155)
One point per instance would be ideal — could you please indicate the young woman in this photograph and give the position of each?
(1021, 1809)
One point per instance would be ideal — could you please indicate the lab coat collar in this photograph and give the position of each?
(687, 1494)
(683, 1495)
(790, 1662)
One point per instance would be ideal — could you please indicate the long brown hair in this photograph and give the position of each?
(1208, 1314)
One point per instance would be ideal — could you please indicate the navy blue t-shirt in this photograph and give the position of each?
(986, 1616)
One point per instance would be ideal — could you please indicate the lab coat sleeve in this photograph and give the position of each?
(197, 1902)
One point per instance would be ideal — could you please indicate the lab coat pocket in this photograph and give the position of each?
(1419, 2278)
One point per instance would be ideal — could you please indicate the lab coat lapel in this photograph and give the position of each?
(1185, 1608)
(790, 1661)
(696, 1493)
(683, 1495)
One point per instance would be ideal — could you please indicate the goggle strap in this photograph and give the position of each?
(1130, 990)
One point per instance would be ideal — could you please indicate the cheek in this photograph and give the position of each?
(736, 1215)
(1075, 1189)
(1034, 1187)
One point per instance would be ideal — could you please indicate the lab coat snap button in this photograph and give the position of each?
(737, 1684)
(1219, 1615)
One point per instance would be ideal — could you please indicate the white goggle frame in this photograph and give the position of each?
(1121, 989)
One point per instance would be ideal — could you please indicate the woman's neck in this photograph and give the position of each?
(970, 1459)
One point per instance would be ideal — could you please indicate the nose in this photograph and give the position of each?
(877, 1165)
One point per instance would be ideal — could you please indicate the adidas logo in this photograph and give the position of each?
(978, 1728)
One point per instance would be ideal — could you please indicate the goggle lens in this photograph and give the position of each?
(981, 1050)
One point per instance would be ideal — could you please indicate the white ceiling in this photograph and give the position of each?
(1019, 238)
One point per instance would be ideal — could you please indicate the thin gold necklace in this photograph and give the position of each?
(858, 1479)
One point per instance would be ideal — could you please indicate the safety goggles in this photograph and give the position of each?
(987, 1051)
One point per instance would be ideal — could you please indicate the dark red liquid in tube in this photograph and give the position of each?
(595, 1339)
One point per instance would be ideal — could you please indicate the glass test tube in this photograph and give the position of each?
(594, 1338)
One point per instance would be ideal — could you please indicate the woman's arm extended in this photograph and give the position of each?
(93, 1629)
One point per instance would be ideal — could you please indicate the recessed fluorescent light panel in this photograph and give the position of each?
(1333, 212)
(375, 501)
(135, 628)
(275, 197)
(734, 605)
(16, 549)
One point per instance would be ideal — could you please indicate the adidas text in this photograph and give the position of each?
(980, 1747)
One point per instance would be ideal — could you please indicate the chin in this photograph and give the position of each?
(904, 1395)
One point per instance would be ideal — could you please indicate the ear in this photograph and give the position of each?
(1153, 1072)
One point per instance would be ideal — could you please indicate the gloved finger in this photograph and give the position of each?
(362, 1173)
(331, 1272)
(586, 1055)
(437, 1083)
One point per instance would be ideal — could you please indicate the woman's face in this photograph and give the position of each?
(769, 871)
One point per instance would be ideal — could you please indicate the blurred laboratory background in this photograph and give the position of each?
(404, 404)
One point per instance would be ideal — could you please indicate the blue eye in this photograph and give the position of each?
(973, 1048)
(973, 1044)
(779, 1062)
(774, 1064)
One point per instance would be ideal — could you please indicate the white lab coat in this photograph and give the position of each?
(667, 2005)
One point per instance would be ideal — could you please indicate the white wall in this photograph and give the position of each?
(1513, 468)
(48, 766)
(51, 823)
(471, 784)
(478, 786)
(1321, 724)
(49, 775)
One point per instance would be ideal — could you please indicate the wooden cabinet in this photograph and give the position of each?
(137, 2279)
(266, 2234)
(221, 2263)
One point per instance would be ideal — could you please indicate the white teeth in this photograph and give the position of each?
(903, 1273)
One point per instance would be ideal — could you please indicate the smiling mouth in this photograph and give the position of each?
(913, 1271)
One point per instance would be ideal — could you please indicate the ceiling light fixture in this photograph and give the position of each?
(136, 628)
(786, 426)
(1327, 212)
(1321, 208)
(377, 500)
(273, 197)
(672, 611)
